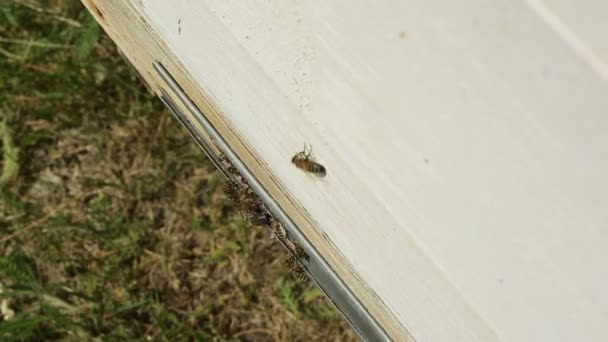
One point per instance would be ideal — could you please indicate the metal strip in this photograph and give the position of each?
(322, 273)
(200, 141)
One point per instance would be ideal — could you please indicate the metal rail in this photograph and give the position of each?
(321, 272)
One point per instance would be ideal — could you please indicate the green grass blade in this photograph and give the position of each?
(18, 325)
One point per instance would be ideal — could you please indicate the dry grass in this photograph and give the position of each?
(113, 225)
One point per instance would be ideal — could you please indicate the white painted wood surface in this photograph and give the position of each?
(466, 144)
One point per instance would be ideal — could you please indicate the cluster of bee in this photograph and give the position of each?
(255, 212)
(296, 261)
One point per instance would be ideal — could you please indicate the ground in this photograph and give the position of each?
(113, 225)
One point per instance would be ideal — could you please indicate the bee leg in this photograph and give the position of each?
(309, 154)
(303, 153)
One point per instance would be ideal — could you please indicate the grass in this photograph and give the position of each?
(113, 225)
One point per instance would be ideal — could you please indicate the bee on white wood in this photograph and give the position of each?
(304, 161)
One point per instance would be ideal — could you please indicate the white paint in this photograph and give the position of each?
(466, 163)
(584, 50)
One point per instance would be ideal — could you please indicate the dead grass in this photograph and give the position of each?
(113, 225)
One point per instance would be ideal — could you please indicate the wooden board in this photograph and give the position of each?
(465, 144)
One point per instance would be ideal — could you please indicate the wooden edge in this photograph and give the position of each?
(124, 22)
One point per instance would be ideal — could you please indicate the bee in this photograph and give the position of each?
(248, 194)
(258, 217)
(230, 169)
(290, 245)
(278, 230)
(254, 211)
(291, 261)
(232, 191)
(303, 160)
(299, 272)
(299, 253)
(295, 268)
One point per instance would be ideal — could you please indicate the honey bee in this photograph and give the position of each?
(299, 272)
(278, 230)
(254, 211)
(303, 160)
(299, 253)
(231, 189)
(290, 245)
(295, 268)
(291, 261)
(258, 218)
(230, 169)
